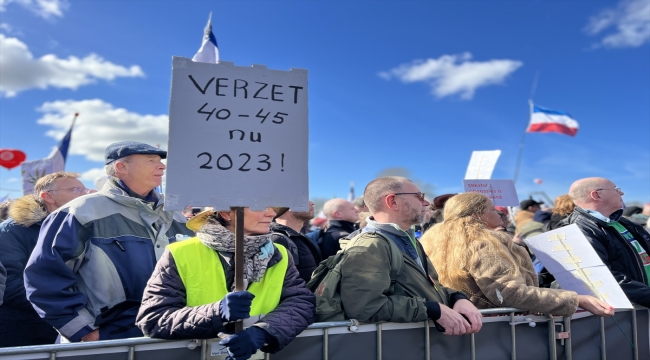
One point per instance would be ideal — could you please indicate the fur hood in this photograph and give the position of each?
(27, 211)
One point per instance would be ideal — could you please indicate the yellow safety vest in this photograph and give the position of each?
(205, 281)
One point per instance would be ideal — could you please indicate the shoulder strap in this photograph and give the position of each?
(396, 259)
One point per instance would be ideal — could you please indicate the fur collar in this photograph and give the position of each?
(27, 211)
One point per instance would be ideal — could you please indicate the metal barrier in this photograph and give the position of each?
(564, 336)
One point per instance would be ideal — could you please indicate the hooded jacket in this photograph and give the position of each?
(620, 257)
(93, 259)
(368, 295)
(21, 325)
(305, 252)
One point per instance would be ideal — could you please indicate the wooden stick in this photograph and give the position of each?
(239, 256)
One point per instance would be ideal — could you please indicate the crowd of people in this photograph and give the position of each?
(82, 265)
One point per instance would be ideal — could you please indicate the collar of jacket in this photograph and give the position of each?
(117, 190)
(345, 225)
(615, 216)
(27, 211)
(275, 227)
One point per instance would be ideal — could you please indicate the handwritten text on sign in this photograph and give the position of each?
(237, 137)
(501, 192)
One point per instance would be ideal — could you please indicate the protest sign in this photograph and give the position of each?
(567, 254)
(501, 192)
(238, 137)
(481, 164)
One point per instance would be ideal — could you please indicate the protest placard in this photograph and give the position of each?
(567, 254)
(238, 137)
(481, 164)
(501, 192)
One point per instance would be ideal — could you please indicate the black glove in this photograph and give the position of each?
(244, 344)
(236, 306)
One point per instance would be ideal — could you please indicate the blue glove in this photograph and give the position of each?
(236, 306)
(244, 344)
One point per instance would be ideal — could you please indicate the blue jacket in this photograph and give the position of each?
(20, 324)
(93, 259)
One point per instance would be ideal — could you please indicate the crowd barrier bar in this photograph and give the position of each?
(352, 325)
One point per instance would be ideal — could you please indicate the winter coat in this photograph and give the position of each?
(522, 217)
(556, 219)
(164, 313)
(21, 325)
(368, 295)
(337, 230)
(93, 259)
(492, 282)
(305, 253)
(617, 253)
(3, 280)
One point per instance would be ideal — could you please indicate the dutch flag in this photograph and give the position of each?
(547, 120)
(209, 52)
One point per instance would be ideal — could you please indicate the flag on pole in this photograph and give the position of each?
(209, 51)
(547, 120)
(34, 170)
(351, 194)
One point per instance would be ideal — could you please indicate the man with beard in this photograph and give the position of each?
(286, 231)
(371, 292)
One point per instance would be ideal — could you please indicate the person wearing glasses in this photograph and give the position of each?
(94, 255)
(621, 244)
(371, 291)
(21, 325)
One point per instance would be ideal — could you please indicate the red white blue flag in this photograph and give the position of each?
(547, 120)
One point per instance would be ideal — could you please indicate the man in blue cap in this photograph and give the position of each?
(94, 255)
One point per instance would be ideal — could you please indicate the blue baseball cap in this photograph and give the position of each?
(125, 148)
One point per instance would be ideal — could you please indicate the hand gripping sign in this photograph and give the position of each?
(238, 137)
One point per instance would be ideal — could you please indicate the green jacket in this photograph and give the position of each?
(366, 290)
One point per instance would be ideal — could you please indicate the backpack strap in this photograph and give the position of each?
(396, 259)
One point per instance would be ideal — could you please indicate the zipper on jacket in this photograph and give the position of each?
(119, 245)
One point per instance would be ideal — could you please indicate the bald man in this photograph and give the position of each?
(342, 216)
(621, 244)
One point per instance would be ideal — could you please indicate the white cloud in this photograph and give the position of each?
(631, 20)
(46, 9)
(100, 124)
(454, 74)
(92, 174)
(20, 71)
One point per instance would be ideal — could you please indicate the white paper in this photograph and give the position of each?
(238, 136)
(567, 254)
(481, 164)
(501, 192)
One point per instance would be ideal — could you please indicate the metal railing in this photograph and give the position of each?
(564, 336)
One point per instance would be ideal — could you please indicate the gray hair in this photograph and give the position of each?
(46, 182)
(377, 189)
(359, 202)
(111, 169)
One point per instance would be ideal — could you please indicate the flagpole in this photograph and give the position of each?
(523, 136)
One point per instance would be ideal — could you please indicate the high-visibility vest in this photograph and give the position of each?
(205, 281)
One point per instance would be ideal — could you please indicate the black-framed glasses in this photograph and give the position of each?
(420, 195)
(618, 190)
(76, 190)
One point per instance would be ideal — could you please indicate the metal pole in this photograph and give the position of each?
(379, 348)
(513, 339)
(552, 352)
(568, 350)
(427, 341)
(634, 335)
(131, 352)
(239, 256)
(53, 353)
(472, 346)
(603, 346)
(204, 349)
(326, 343)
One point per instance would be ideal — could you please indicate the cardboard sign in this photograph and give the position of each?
(501, 192)
(567, 254)
(481, 164)
(238, 136)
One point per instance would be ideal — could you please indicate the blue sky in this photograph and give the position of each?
(412, 84)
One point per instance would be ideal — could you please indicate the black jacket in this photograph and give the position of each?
(337, 229)
(164, 313)
(306, 254)
(20, 325)
(617, 253)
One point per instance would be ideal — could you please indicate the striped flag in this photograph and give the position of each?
(547, 120)
(209, 52)
(34, 170)
(351, 193)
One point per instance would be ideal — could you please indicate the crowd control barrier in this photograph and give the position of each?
(507, 333)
